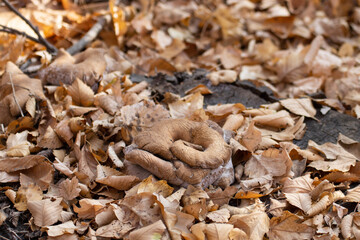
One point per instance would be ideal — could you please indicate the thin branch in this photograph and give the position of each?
(17, 32)
(13, 90)
(51, 48)
(90, 35)
(4, 238)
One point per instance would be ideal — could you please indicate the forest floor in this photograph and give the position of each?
(180, 119)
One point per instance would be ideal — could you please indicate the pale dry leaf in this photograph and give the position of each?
(153, 186)
(61, 167)
(186, 106)
(319, 206)
(119, 182)
(116, 229)
(152, 231)
(353, 194)
(222, 76)
(345, 226)
(3, 217)
(114, 157)
(281, 119)
(300, 106)
(144, 206)
(25, 194)
(8, 177)
(299, 200)
(105, 216)
(339, 158)
(61, 229)
(45, 212)
(255, 224)
(219, 216)
(17, 145)
(216, 231)
(81, 93)
(303, 184)
(233, 122)
(251, 137)
(276, 161)
(88, 207)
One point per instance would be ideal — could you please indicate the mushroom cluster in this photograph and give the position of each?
(183, 152)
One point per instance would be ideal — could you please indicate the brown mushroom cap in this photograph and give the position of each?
(87, 66)
(175, 139)
(192, 152)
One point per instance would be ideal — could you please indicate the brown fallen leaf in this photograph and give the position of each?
(81, 93)
(251, 138)
(45, 212)
(25, 194)
(301, 106)
(15, 164)
(69, 189)
(155, 230)
(61, 229)
(254, 224)
(279, 119)
(289, 225)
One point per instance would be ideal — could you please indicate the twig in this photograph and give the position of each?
(50, 48)
(90, 35)
(4, 238)
(13, 90)
(17, 32)
(2, 128)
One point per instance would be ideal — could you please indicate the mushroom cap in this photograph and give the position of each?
(181, 151)
(176, 138)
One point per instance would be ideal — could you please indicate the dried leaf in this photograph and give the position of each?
(45, 212)
(289, 226)
(302, 107)
(152, 231)
(81, 93)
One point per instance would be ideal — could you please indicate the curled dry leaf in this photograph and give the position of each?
(223, 76)
(25, 194)
(24, 87)
(219, 216)
(61, 229)
(153, 186)
(81, 93)
(201, 88)
(186, 106)
(89, 207)
(301, 106)
(251, 137)
(279, 119)
(339, 158)
(152, 231)
(255, 224)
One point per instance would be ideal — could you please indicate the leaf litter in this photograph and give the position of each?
(67, 131)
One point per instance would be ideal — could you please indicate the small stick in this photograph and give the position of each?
(90, 35)
(17, 32)
(51, 48)
(13, 90)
